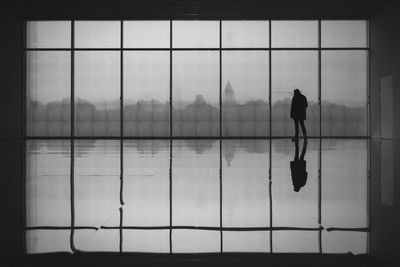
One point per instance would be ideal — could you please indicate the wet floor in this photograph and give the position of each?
(194, 196)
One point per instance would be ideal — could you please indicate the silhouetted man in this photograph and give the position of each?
(298, 112)
(298, 167)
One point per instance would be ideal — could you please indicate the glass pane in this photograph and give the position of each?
(48, 183)
(97, 182)
(344, 183)
(245, 34)
(294, 33)
(97, 34)
(195, 34)
(146, 182)
(47, 241)
(48, 82)
(146, 34)
(295, 183)
(97, 93)
(295, 241)
(100, 240)
(245, 169)
(195, 93)
(195, 241)
(345, 242)
(195, 184)
(294, 70)
(245, 107)
(348, 33)
(146, 93)
(246, 241)
(344, 93)
(48, 34)
(156, 241)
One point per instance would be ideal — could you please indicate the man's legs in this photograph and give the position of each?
(303, 128)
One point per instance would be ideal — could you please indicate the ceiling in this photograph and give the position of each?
(200, 9)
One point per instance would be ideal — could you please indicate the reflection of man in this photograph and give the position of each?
(298, 167)
(298, 112)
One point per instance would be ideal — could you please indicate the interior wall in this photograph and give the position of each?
(10, 133)
(384, 61)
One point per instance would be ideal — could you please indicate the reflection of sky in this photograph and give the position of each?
(195, 189)
(290, 208)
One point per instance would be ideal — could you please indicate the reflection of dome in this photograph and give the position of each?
(229, 151)
(229, 94)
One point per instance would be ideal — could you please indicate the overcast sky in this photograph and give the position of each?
(146, 73)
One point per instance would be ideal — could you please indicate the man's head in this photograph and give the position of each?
(296, 92)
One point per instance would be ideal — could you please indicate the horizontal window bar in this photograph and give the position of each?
(203, 49)
(365, 229)
(180, 137)
(183, 227)
(61, 228)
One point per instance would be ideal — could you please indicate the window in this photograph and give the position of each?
(174, 136)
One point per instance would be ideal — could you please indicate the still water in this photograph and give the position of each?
(230, 196)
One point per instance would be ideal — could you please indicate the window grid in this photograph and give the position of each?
(171, 138)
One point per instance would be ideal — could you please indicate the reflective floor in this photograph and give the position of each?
(195, 196)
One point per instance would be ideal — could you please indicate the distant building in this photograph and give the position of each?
(229, 95)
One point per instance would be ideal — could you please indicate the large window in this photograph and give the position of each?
(173, 136)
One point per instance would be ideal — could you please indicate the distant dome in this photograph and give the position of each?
(229, 94)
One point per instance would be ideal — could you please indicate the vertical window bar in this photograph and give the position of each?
(121, 238)
(220, 135)
(72, 166)
(320, 140)
(368, 70)
(170, 137)
(121, 193)
(122, 82)
(270, 135)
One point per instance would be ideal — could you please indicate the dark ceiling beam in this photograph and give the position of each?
(200, 9)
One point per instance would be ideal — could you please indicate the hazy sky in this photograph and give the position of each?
(146, 74)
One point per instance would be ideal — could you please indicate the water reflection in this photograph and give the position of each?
(291, 208)
(238, 184)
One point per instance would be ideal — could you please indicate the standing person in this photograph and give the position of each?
(298, 113)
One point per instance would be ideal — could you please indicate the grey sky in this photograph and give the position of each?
(146, 74)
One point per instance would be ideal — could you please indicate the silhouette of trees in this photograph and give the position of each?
(197, 118)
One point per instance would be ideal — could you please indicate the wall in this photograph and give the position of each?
(10, 133)
(385, 61)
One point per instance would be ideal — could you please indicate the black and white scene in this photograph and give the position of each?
(200, 133)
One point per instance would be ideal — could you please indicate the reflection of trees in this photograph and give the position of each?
(230, 147)
(147, 146)
(285, 146)
(200, 146)
(56, 147)
(83, 147)
(61, 147)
